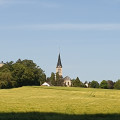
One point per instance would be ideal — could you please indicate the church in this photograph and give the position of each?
(67, 80)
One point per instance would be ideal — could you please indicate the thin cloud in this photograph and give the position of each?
(50, 27)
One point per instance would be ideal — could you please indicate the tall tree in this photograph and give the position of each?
(59, 80)
(52, 79)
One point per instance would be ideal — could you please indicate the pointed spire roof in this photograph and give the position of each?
(59, 64)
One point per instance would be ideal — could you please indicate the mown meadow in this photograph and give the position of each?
(59, 103)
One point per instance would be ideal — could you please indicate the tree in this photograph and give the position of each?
(77, 83)
(21, 73)
(117, 85)
(19, 61)
(6, 79)
(48, 79)
(18, 74)
(110, 84)
(42, 79)
(3, 84)
(5, 76)
(52, 78)
(72, 82)
(7, 66)
(94, 84)
(104, 84)
(29, 73)
(59, 80)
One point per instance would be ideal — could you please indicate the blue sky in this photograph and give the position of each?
(86, 31)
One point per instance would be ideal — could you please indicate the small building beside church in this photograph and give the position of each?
(67, 81)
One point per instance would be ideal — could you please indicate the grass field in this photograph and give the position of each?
(59, 103)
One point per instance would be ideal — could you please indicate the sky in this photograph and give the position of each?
(85, 32)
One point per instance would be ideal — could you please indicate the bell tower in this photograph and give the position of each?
(59, 66)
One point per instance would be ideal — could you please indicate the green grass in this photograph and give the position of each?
(59, 103)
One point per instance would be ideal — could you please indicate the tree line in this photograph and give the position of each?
(105, 84)
(27, 73)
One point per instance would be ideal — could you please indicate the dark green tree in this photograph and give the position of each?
(42, 79)
(7, 66)
(110, 84)
(52, 79)
(21, 73)
(104, 84)
(94, 84)
(117, 85)
(18, 73)
(6, 79)
(77, 83)
(59, 80)
(72, 82)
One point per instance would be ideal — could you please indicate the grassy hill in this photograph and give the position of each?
(59, 103)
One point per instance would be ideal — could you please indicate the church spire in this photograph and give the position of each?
(59, 64)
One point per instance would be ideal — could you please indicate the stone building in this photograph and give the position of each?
(67, 81)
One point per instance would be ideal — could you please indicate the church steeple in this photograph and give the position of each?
(59, 66)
